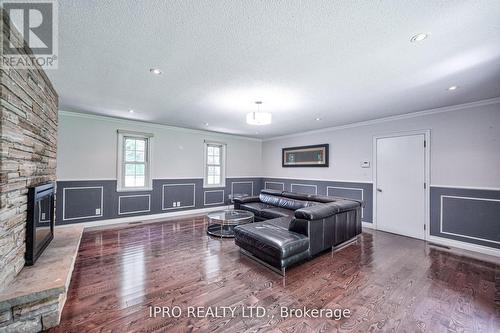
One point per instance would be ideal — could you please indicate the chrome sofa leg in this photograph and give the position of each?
(345, 244)
(283, 277)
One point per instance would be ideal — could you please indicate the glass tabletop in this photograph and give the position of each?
(232, 215)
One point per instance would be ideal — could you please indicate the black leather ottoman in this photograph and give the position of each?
(271, 243)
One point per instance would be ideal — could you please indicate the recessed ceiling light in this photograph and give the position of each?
(155, 71)
(418, 38)
(206, 124)
(453, 88)
(318, 119)
(131, 110)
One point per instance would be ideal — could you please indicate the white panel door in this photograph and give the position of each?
(400, 177)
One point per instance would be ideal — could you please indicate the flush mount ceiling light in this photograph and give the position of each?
(131, 110)
(259, 118)
(155, 71)
(453, 88)
(418, 38)
(318, 119)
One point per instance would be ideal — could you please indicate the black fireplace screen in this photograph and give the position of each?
(40, 223)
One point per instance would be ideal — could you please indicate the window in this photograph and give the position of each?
(215, 160)
(134, 161)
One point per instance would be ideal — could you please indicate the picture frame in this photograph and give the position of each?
(305, 156)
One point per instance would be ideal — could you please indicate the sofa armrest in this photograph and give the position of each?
(348, 204)
(243, 200)
(317, 212)
(341, 199)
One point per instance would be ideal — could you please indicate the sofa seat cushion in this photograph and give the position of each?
(282, 222)
(275, 241)
(254, 207)
(274, 212)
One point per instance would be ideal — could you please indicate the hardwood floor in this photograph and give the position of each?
(389, 282)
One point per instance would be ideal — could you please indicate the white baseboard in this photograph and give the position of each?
(140, 218)
(368, 225)
(463, 245)
(452, 243)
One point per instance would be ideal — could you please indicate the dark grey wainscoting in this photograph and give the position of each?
(92, 200)
(467, 215)
(90, 194)
(360, 191)
(134, 203)
(214, 197)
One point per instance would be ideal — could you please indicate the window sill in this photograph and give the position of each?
(138, 189)
(214, 186)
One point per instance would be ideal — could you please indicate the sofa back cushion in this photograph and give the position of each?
(294, 204)
(269, 199)
(323, 198)
(296, 196)
(272, 199)
(271, 192)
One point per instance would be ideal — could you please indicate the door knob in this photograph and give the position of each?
(379, 189)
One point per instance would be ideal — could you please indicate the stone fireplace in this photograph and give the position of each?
(28, 132)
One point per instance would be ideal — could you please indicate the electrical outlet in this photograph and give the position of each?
(97, 211)
(174, 204)
(178, 203)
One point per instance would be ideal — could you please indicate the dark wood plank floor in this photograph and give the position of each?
(390, 283)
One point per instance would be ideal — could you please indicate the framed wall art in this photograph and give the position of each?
(305, 156)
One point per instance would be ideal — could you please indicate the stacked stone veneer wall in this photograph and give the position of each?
(28, 134)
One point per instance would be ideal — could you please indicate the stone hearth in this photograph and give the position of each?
(35, 298)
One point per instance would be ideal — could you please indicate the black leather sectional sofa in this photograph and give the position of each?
(294, 227)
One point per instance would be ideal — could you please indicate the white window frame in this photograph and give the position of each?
(223, 147)
(120, 165)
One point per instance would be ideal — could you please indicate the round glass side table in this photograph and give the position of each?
(222, 223)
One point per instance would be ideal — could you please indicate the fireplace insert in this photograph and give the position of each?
(40, 223)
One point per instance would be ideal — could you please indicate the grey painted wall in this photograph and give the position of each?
(87, 149)
(91, 200)
(466, 215)
(353, 190)
(86, 169)
(464, 148)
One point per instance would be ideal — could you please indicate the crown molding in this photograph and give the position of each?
(152, 125)
(443, 109)
(457, 107)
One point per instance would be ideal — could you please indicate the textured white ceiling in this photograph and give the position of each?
(342, 61)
